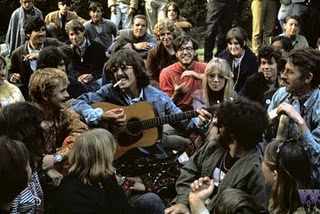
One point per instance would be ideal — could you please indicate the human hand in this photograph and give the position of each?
(177, 209)
(55, 176)
(85, 78)
(205, 117)
(201, 189)
(47, 162)
(290, 111)
(115, 116)
(142, 46)
(31, 56)
(190, 73)
(16, 77)
(113, 9)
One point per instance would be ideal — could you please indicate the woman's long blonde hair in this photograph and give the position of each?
(222, 66)
(91, 156)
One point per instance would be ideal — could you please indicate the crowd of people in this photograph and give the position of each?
(109, 115)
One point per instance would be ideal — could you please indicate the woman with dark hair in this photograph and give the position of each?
(163, 54)
(54, 57)
(173, 14)
(15, 171)
(286, 168)
(241, 59)
(22, 121)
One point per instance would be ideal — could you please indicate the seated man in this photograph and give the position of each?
(88, 57)
(182, 78)
(24, 58)
(232, 160)
(127, 69)
(47, 89)
(56, 21)
(258, 85)
(300, 101)
(142, 41)
(98, 28)
(15, 34)
(9, 93)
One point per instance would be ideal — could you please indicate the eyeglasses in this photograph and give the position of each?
(188, 49)
(123, 67)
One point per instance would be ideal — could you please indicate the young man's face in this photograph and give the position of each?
(186, 54)
(76, 37)
(292, 79)
(26, 4)
(269, 69)
(126, 73)
(96, 16)
(37, 36)
(291, 27)
(166, 37)
(139, 27)
(63, 7)
(59, 97)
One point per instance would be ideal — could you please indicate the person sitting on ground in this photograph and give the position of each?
(173, 14)
(291, 26)
(232, 160)
(53, 57)
(163, 54)
(56, 21)
(217, 86)
(287, 169)
(182, 78)
(16, 36)
(283, 43)
(22, 122)
(231, 201)
(88, 57)
(98, 28)
(90, 184)
(242, 61)
(259, 85)
(9, 93)
(24, 58)
(15, 171)
(47, 88)
(142, 41)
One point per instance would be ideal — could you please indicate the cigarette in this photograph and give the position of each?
(117, 83)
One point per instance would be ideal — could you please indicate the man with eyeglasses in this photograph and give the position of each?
(299, 100)
(15, 35)
(56, 21)
(182, 78)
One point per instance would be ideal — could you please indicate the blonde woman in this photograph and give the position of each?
(90, 185)
(217, 86)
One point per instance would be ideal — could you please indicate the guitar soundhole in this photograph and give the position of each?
(134, 127)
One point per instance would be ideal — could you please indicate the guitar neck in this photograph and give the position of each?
(172, 118)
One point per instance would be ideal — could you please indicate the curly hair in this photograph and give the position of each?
(22, 121)
(267, 52)
(43, 82)
(293, 166)
(308, 61)
(33, 23)
(169, 25)
(244, 120)
(132, 58)
(181, 40)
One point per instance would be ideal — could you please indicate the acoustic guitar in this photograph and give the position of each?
(143, 126)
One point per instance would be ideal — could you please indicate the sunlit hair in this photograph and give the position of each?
(22, 121)
(221, 65)
(292, 163)
(91, 156)
(14, 158)
(236, 201)
(169, 25)
(308, 61)
(44, 81)
(239, 34)
(74, 26)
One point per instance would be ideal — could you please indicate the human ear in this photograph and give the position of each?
(275, 175)
(308, 78)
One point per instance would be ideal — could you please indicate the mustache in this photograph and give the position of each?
(119, 77)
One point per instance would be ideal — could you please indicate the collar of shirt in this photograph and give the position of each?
(131, 101)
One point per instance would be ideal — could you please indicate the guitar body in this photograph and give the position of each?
(132, 134)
